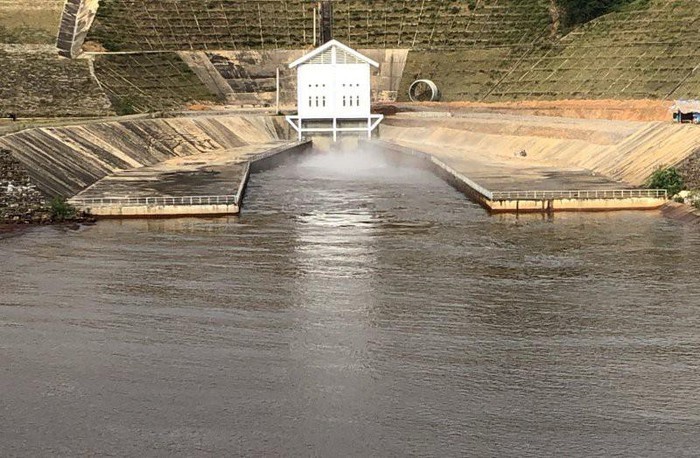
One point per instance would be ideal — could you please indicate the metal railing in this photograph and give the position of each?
(581, 194)
(160, 201)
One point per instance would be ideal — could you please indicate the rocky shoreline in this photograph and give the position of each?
(21, 203)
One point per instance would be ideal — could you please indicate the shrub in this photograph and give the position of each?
(62, 210)
(123, 106)
(577, 12)
(666, 178)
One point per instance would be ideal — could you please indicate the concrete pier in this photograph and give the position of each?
(210, 184)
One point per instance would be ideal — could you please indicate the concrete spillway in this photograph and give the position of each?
(201, 165)
(622, 151)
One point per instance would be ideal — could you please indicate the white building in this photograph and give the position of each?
(334, 92)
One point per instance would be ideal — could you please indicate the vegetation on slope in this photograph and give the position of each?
(577, 12)
(35, 82)
(667, 178)
(149, 82)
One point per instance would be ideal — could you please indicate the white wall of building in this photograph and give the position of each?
(328, 91)
(334, 85)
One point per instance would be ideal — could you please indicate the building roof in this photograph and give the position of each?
(686, 106)
(323, 55)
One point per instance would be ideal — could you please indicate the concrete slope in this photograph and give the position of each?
(65, 160)
(621, 150)
(653, 145)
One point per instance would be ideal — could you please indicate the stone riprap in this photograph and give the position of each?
(20, 201)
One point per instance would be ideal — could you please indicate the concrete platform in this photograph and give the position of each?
(208, 184)
(502, 185)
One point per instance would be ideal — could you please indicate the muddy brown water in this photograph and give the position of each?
(353, 309)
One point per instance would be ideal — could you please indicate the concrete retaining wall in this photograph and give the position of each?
(259, 162)
(155, 211)
(77, 18)
(482, 196)
(63, 161)
(621, 150)
(558, 205)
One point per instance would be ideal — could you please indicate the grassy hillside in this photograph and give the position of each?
(149, 82)
(577, 12)
(35, 82)
(234, 24)
(644, 50)
(29, 21)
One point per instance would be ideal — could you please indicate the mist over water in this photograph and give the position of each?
(354, 308)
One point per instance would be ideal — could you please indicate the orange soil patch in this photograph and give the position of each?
(199, 107)
(620, 110)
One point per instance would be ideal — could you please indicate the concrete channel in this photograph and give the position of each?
(200, 166)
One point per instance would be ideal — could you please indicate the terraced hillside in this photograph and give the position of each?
(270, 24)
(476, 50)
(646, 50)
(442, 24)
(35, 82)
(147, 82)
(181, 25)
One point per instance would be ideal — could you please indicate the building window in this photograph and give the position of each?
(358, 100)
(310, 98)
(324, 100)
(316, 100)
(344, 101)
(350, 100)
